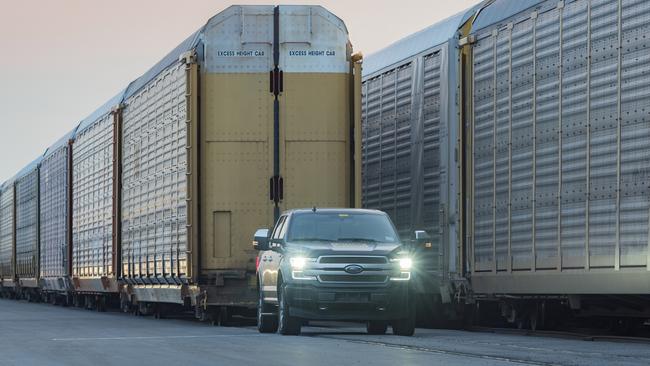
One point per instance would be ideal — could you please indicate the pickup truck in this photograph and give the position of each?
(333, 264)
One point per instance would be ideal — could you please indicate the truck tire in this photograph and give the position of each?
(287, 325)
(267, 321)
(376, 327)
(406, 326)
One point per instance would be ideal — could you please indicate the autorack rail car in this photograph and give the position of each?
(525, 161)
(558, 179)
(151, 200)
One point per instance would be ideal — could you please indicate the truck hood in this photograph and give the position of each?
(316, 249)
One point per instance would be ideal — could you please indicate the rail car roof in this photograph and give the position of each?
(63, 141)
(100, 112)
(172, 57)
(415, 43)
(499, 10)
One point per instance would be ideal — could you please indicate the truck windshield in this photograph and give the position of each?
(341, 227)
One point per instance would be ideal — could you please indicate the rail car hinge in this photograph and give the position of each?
(276, 81)
(276, 189)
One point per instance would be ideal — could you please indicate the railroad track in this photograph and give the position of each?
(585, 336)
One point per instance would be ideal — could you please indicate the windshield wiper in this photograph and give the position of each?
(359, 240)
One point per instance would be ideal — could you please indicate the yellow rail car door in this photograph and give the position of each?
(236, 136)
(315, 108)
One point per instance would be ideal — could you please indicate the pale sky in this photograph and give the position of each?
(61, 59)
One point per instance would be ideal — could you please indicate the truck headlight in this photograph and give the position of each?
(405, 264)
(298, 263)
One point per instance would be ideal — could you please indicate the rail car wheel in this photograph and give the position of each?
(534, 318)
(158, 312)
(101, 304)
(125, 305)
(225, 317)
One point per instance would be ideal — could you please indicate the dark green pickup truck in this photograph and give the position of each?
(333, 264)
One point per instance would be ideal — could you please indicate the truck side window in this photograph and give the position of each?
(283, 231)
(278, 227)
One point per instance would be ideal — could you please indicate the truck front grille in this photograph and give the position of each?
(353, 278)
(352, 260)
(331, 269)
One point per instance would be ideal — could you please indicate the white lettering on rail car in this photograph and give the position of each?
(241, 53)
(312, 53)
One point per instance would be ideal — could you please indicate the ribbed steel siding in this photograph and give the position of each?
(635, 133)
(553, 87)
(54, 214)
(386, 121)
(154, 182)
(401, 136)
(27, 225)
(92, 229)
(430, 137)
(7, 232)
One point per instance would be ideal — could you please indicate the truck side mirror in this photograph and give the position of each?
(422, 239)
(261, 240)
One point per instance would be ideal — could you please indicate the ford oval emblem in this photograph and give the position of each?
(353, 269)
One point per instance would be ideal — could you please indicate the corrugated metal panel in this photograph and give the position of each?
(403, 115)
(635, 132)
(7, 231)
(27, 224)
(93, 199)
(484, 70)
(421, 41)
(54, 211)
(154, 182)
(573, 111)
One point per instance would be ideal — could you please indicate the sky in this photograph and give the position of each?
(62, 59)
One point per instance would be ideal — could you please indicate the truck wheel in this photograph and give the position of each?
(376, 327)
(267, 321)
(406, 326)
(288, 325)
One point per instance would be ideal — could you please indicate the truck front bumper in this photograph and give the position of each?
(316, 302)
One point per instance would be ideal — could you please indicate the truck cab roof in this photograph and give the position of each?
(334, 210)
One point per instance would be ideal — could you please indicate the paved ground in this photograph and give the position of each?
(39, 334)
